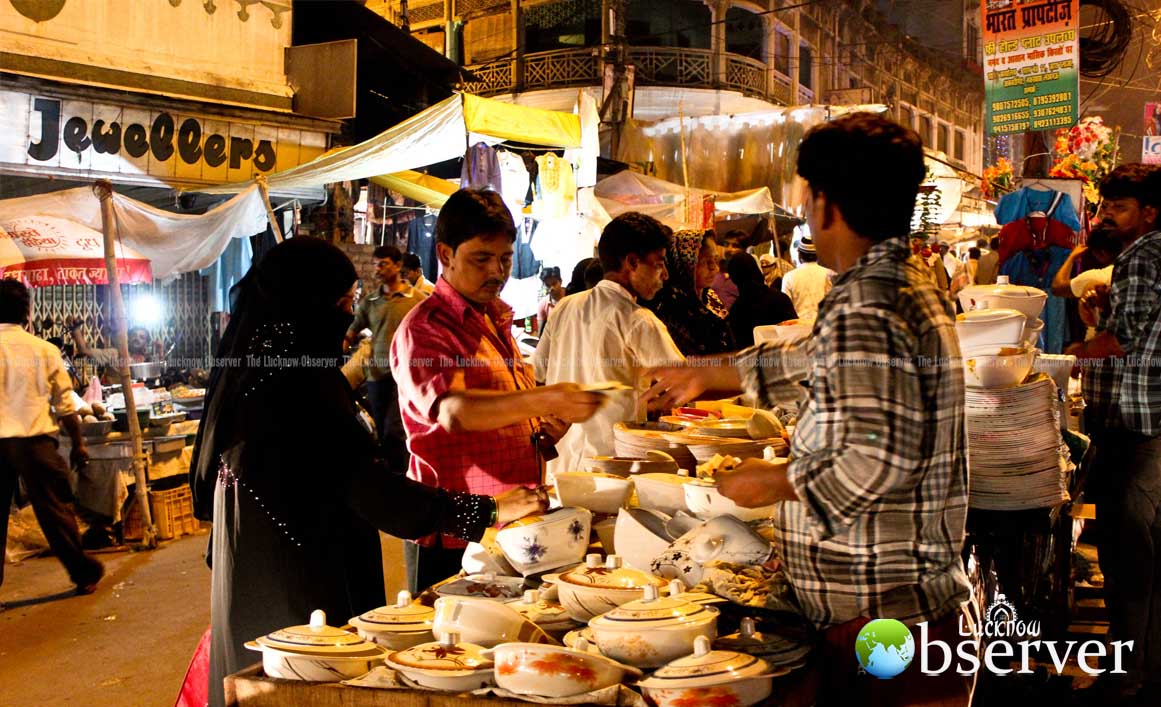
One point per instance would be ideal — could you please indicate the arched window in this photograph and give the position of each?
(745, 33)
(683, 23)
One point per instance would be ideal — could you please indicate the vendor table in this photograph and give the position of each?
(251, 688)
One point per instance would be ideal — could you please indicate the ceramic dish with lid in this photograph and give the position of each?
(448, 664)
(720, 539)
(403, 625)
(775, 649)
(552, 671)
(709, 677)
(1029, 301)
(549, 616)
(650, 632)
(594, 588)
(541, 543)
(316, 652)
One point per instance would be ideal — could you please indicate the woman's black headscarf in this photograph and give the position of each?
(689, 315)
(286, 307)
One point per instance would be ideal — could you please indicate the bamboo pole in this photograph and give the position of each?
(104, 190)
(261, 182)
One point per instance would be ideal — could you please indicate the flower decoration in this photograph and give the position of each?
(533, 550)
(576, 529)
(997, 179)
(1086, 151)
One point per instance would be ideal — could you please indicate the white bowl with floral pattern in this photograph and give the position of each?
(541, 543)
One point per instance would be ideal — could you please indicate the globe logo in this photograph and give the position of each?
(885, 648)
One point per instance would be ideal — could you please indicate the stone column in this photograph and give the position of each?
(718, 9)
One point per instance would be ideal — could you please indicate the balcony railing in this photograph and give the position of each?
(656, 66)
(556, 69)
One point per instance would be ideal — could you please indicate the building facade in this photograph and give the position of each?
(153, 95)
(724, 56)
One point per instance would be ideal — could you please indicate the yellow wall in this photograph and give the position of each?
(154, 38)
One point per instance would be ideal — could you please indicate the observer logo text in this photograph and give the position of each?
(1008, 638)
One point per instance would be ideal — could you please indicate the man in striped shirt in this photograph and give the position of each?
(870, 512)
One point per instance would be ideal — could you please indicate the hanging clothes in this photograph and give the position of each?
(555, 188)
(1037, 268)
(524, 262)
(515, 180)
(584, 158)
(230, 267)
(421, 241)
(481, 169)
(1025, 201)
(1033, 233)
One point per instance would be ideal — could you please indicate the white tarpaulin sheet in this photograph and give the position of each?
(173, 243)
(665, 201)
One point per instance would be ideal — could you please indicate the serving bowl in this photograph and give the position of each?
(710, 677)
(640, 536)
(541, 543)
(1029, 301)
(1032, 331)
(990, 327)
(552, 671)
(705, 501)
(606, 532)
(661, 492)
(995, 367)
(594, 588)
(651, 631)
(316, 652)
(486, 557)
(448, 664)
(658, 462)
(597, 491)
(397, 627)
(484, 622)
(720, 539)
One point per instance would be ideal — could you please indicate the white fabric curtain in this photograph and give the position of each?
(173, 243)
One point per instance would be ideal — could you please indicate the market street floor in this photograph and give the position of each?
(127, 644)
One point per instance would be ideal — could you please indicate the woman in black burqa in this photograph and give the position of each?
(289, 472)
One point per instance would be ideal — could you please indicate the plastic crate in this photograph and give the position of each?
(172, 512)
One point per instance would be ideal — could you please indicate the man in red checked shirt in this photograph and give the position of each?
(475, 419)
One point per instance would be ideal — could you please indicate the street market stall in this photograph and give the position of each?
(52, 239)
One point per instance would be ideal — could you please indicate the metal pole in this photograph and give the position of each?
(104, 190)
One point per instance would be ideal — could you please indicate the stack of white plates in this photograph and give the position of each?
(1016, 458)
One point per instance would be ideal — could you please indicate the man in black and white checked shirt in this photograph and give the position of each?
(871, 510)
(1124, 474)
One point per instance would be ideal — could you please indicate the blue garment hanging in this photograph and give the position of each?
(1023, 201)
(230, 267)
(1036, 269)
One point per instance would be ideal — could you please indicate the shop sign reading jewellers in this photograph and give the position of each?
(87, 137)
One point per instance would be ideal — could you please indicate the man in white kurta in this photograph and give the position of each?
(602, 335)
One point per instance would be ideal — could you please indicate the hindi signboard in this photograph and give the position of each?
(1031, 64)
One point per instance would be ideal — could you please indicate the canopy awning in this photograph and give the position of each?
(442, 132)
(424, 188)
(665, 201)
(172, 243)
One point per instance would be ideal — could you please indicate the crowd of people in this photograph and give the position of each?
(871, 510)
(459, 431)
